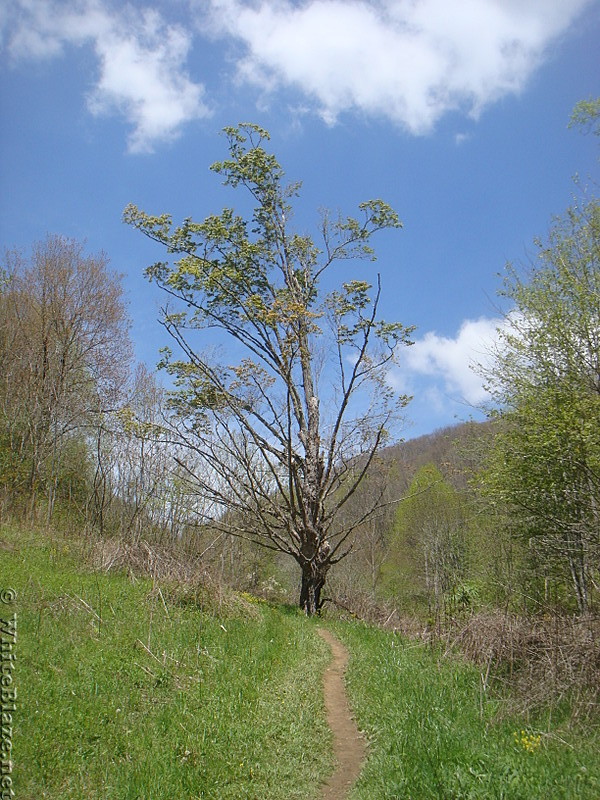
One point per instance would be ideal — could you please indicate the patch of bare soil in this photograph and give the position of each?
(348, 745)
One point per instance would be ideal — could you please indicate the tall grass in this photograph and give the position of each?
(433, 733)
(127, 691)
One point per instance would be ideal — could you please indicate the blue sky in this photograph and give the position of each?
(453, 112)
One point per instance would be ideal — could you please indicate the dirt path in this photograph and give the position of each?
(348, 745)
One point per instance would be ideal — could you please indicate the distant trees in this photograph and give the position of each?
(428, 549)
(294, 386)
(132, 468)
(544, 468)
(64, 357)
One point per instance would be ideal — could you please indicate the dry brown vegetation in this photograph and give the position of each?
(534, 662)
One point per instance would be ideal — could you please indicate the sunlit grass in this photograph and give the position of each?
(432, 737)
(125, 692)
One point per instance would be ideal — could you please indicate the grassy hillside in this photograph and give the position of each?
(131, 689)
(125, 691)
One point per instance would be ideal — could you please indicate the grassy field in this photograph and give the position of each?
(128, 692)
(432, 737)
(131, 690)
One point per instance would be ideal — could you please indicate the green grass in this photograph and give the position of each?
(126, 692)
(219, 708)
(430, 736)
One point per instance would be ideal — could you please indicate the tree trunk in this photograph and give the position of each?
(577, 568)
(313, 581)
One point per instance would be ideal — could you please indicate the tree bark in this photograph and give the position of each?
(313, 581)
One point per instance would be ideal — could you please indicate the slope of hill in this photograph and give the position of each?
(129, 689)
(454, 450)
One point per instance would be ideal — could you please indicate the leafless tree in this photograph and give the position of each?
(64, 349)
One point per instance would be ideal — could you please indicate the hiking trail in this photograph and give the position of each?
(348, 744)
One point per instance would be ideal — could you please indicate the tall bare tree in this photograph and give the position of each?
(279, 419)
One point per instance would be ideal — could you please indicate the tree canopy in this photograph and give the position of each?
(546, 378)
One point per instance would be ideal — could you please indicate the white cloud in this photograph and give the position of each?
(410, 61)
(141, 61)
(448, 361)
